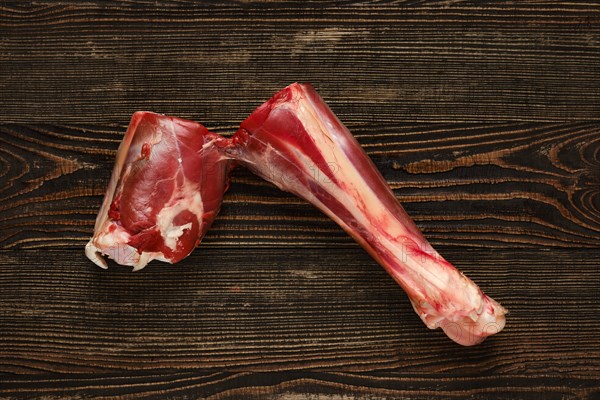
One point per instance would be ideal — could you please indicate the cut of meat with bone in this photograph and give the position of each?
(166, 188)
(296, 142)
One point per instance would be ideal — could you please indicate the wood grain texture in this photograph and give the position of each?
(484, 117)
(290, 312)
(476, 184)
(299, 385)
(441, 61)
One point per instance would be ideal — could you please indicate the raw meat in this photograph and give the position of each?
(165, 191)
(296, 142)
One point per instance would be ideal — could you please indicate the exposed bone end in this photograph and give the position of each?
(471, 328)
(95, 255)
(114, 246)
(144, 258)
(471, 331)
(138, 267)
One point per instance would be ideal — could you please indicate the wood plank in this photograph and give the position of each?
(524, 184)
(251, 309)
(484, 117)
(300, 385)
(96, 62)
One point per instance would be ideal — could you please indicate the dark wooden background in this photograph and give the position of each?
(483, 116)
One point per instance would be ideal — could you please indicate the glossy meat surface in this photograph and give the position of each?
(165, 191)
(296, 142)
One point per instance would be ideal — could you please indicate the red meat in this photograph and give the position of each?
(165, 191)
(296, 142)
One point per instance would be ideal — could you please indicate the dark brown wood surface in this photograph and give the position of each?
(484, 117)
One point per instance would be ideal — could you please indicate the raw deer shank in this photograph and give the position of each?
(296, 142)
